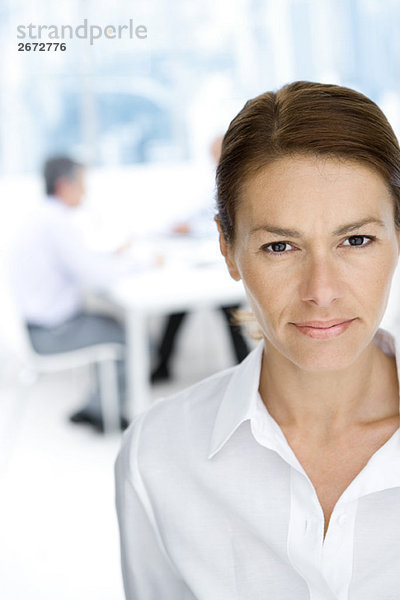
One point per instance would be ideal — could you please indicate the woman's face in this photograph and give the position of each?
(315, 240)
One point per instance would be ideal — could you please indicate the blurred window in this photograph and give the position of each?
(160, 99)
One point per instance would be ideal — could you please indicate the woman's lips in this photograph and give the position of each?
(324, 333)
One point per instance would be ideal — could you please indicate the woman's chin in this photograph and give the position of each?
(324, 358)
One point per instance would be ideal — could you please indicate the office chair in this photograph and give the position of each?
(15, 336)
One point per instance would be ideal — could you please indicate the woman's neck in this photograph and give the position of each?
(328, 404)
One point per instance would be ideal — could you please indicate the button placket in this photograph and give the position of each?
(337, 551)
(305, 535)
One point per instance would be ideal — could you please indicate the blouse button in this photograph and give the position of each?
(342, 519)
(307, 525)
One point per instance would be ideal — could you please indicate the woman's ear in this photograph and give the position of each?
(227, 252)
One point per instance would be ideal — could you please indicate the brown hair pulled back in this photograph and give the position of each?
(304, 118)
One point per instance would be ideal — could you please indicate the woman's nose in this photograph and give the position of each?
(321, 282)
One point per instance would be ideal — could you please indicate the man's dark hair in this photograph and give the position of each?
(57, 167)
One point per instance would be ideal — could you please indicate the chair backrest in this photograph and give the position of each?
(15, 341)
(14, 337)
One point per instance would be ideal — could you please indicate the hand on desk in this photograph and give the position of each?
(159, 260)
(184, 228)
(124, 247)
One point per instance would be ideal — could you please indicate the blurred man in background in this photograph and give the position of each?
(201, 222)
(51, 268)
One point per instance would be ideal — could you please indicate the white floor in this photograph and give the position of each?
(58, 529)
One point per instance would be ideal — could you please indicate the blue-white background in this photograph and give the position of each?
(141, 114)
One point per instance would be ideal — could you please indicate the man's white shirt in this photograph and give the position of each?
(214, 505)
(51, 265)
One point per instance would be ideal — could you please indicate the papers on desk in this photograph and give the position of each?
(178, 251)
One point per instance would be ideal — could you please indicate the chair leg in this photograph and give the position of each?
(13, 420)
(109, 400)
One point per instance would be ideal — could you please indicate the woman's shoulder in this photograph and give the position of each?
(176, 432)
(189, 403)
(177, 424)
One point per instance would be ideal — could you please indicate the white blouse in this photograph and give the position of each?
(214, 505)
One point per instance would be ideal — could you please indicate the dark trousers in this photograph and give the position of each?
(174, 323)
(81, 331)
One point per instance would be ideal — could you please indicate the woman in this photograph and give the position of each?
(280, 478)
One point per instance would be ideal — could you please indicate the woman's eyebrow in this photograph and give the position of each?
(293, 233)
(358, 224)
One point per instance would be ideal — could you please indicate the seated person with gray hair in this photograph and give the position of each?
(51, 267)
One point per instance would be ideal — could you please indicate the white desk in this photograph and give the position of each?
(180, 285)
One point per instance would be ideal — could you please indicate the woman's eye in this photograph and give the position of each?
(358, 240)
(279, 248)
(276, 247)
